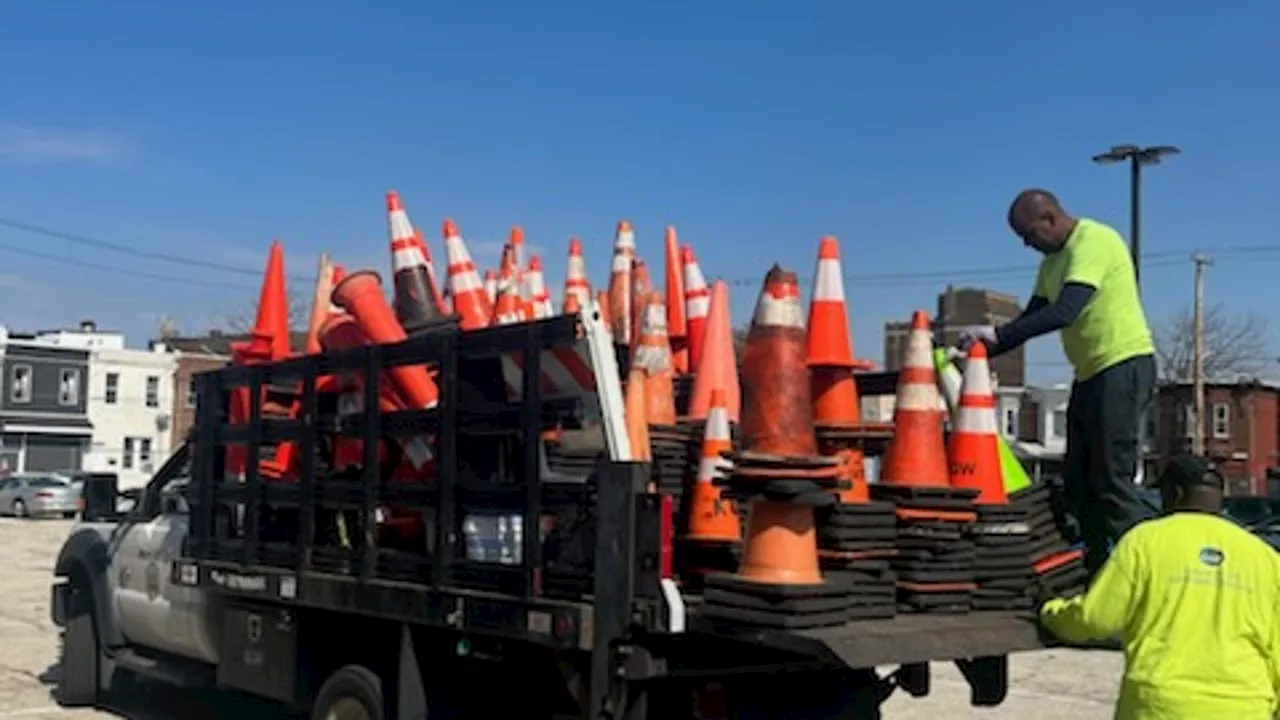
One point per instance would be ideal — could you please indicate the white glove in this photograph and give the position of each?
(986, 334)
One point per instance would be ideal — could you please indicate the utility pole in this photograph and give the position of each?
(1197, 354)
(1137, 157)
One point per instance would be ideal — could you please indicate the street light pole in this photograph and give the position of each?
(1137, 157)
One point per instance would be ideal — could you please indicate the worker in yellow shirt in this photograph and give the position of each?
(1195, 599)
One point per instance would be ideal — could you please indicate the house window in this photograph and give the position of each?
(1059, 423)
(126, 461)
(112, 394)
(1221, 420)
(20, 384)
(144, 453)
(1011, 422)
(68, 386)
(191, 392)
(153, 391)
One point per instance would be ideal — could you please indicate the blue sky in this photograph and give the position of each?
(206, 129)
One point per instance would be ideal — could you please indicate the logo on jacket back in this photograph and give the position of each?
(1211, 556)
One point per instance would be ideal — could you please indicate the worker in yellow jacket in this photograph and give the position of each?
(1195, 599)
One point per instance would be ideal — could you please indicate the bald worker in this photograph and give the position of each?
(1087, 289)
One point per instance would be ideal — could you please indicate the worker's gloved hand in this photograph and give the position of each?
(985, 334)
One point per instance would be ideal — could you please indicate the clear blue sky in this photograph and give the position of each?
(206, 129)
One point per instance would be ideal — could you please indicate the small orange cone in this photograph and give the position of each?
(677, 327)
(916, 457)
(360, 294)
(697, 304)
(624, 254)
(974, 449)
(653, 357)
(711, 517)
(469, 300)
(575, 277)
(718, 367)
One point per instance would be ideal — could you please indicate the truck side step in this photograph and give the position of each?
(171, 669)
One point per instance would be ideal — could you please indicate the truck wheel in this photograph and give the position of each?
(352, 692)
(19, 509)
(78, 685)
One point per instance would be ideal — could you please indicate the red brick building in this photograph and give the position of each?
(1241, 428)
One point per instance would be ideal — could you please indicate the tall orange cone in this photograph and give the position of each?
(320, 303)
(575, 277)
(697, 304)
(653, 357)
(718, 367)
(835, 394)
(360, 294)
(624, 254)
(537, 284)
(974, 449)
(469, 300)
(414, 304)
(916, 457)
(779, 460)
(677, 326)
(713, 518)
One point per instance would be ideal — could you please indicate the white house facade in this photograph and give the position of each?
(130, 402)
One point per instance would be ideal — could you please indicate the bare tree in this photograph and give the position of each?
(242, 322)
(1234, 345)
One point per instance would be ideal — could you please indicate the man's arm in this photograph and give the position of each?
(1104, 610)
(1043, 317)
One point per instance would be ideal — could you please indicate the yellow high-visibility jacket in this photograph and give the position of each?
(1196, 600)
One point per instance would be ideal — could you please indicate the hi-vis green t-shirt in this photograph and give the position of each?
(1196, 600)
(1112, 327)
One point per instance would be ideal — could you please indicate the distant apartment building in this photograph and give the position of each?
(1240, 428)
(957, 309)
(129, 401)
(44, 425)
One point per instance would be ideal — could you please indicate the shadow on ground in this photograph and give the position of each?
(142, 699)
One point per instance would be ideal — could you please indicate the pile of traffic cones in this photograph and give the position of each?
(935, 559)
(856, 537)
(781, 474)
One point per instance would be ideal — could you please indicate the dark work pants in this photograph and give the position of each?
(1106, 419)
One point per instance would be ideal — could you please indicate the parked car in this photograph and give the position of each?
(33, 495)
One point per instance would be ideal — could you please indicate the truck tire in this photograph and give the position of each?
(78, 683)
(351, 692)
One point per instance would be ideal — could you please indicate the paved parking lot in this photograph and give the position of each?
(1049, 685)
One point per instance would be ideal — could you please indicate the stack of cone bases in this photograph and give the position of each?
(1054, 562)
(779, 471)
(934, 562)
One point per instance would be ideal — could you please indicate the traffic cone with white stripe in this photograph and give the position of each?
(575, 277)
(413, 301)
(538, 295)
(835, 394)
(624, 254)
(509, 307)
(653, 357)
(677, 325)
(429, 269)
(949, 382)
(916, 457)
(465, 287)
(491, 285)
(713, 518)
(516, 241)
(697, 304)
(973, 450)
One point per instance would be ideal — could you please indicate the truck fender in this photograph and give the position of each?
(85, 557)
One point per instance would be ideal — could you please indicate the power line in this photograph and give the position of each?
(139, 274)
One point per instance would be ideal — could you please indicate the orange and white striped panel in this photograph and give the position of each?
(566, 372)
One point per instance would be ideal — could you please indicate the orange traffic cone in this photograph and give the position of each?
(469, 300)
(697, 304)
(571, 305)
(516, 241)
(538, 295)
(491, 286)
(713, 519)
(718, 366)
(677, 326)
(653, 357)
(415, 307)
(575, 277)
(641, 286)
(429, 269)
(974, 449)
(835, 394)
(916, 457)
(637, 423)
(777, 431)
(360, 294)
(624, 253)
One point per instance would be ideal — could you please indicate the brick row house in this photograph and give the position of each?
(1241, 430)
